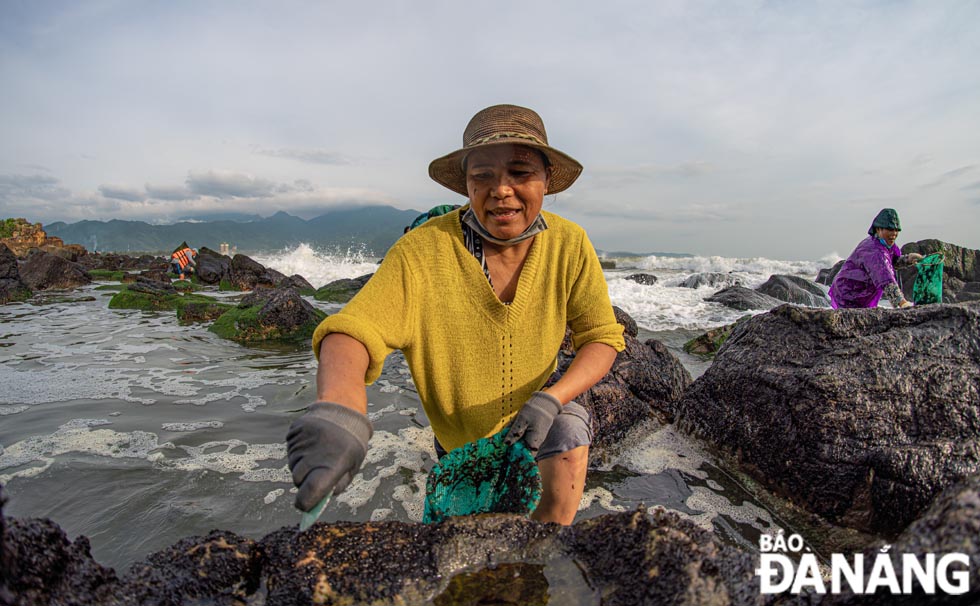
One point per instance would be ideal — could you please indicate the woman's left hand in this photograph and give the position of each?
(533, 421)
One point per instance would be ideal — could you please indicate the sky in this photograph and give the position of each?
(734, 128)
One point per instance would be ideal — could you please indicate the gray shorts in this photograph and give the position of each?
(571, 428)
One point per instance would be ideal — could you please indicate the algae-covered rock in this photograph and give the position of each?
(107, 275)
(197, 308)
(708, 344)
(280, 315)
(341, 291)
(141, 296)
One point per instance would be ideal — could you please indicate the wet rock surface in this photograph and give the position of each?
(645, 380)
(708, 279)
(743, 299)
(248, 274)
(644, 279)
(951, 525)
(628, 558)
(43, 271)
(859, 416)
(961, 266)
(212, 267)
(12, 288)
(794, 289)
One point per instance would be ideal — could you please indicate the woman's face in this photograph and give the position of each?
(888, 235)
(506, 185)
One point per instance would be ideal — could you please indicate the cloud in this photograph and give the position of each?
(949, 176)
(311, 156)
(689, 213)
(649, 172)
(169, 192)
(18, 187)
(228, 184)
(122, 192)
(971, 186)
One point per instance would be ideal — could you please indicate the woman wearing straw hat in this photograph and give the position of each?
(869, 272)
(480, 328)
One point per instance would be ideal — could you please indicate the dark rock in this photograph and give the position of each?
(708, 279)
(645, 379)
(44, 567)
(672, 562)
(860, 416)
(629, 324)
(708, 344)
(249, 274)
(826, 276)
(298, 282)
(969, 292)
(156, 275)
(194, 311)
(743, 299)
(607, 263)
(951, 525)
(644, 279)
(212, 267)
(343, 290)
(221, 565)
(152, 286)
(629, 558)
(283, 315)
(958, 262)
(12, 288)
(43, 271)
(794, 289)
(960, 266)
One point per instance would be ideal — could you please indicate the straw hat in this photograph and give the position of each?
(499, 125)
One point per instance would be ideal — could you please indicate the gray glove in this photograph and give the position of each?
(533, 421)
(326, 447)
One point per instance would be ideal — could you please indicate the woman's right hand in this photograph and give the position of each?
(325, 448)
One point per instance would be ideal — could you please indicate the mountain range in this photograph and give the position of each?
(369, 229)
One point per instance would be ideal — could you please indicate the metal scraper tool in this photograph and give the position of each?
(311, 516)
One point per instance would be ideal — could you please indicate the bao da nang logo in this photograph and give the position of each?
(884, 573)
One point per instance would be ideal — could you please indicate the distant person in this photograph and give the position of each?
(869, 273)
(478, 301)
(183, 260)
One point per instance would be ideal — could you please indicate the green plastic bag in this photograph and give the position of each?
(928, 286)
(486, 476)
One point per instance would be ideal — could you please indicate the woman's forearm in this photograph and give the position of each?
(340, 375)
(590, 365)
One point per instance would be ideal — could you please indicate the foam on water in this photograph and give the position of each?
(192, 426)
(317, 266)
(388, 455)
(12, 410)
(714, 505)
(603, 496)
(75, 436)
(232, 456)
(657, 450)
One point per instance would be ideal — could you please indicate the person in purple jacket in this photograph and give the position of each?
(869, 272)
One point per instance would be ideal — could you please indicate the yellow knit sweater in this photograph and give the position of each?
(475, 360)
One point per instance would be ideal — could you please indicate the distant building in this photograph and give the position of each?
(224, 248)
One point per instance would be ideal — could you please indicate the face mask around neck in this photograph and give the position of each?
(536, 227)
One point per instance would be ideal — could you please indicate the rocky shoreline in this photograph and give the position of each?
(865, 423)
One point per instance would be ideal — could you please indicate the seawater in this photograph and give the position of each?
(136, 431)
